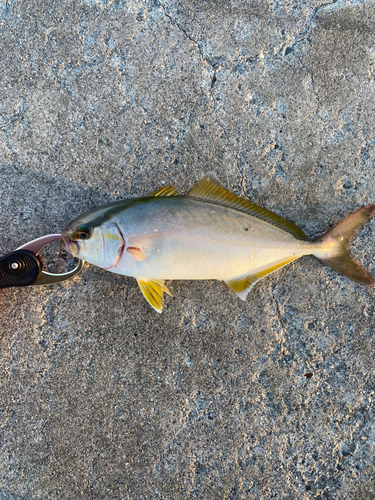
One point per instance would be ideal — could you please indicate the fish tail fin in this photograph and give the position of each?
(333, 248)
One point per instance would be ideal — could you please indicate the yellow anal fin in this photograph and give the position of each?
(164, 191)
(210, 190)
(152, 290)
(244, 284)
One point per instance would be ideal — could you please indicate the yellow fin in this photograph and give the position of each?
(244, 284)
(210, 190)
(164, 191)
(152, 290)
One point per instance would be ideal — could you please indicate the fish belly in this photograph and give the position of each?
(188, 239)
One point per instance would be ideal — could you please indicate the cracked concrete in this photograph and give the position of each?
(101, 398)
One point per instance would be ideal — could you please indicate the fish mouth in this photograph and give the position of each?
(70, 245)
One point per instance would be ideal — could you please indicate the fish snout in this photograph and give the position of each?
(71, 246)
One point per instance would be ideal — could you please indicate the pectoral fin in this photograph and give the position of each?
(244, 284)
(136, 252)
(152, 290)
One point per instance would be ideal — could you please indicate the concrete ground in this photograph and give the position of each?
(100, 396)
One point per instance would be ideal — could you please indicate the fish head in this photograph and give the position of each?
(100, 244)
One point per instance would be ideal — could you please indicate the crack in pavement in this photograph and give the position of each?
(189, 37)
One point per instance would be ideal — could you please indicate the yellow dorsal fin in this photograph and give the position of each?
(152, 290)
(164, 191)
(244, 284)
(209, 189)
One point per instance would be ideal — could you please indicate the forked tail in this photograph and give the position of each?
(335, 246)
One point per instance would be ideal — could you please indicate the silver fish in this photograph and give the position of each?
(209, 233)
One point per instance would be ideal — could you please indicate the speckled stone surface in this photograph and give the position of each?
(101, 397)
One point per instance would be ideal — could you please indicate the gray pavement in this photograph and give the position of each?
(103, 398)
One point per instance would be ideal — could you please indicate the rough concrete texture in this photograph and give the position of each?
(101, 397)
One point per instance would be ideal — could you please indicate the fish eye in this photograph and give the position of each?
(83, 232)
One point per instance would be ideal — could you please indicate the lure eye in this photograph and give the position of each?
(83, 232)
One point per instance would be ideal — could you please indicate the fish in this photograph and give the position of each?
(209, 233)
